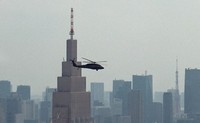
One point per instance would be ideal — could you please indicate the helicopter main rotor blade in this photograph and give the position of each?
(100, 61)
(88, 60)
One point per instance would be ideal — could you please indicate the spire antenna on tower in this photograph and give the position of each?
(71, 33)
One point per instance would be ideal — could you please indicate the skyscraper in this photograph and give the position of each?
(136, 106)
(13, 106)
(28, 109)
(143, 83)
(167, 108)
(175, 103)
(192, 91)
(3, 110)
(97, 92)
(116, 85)
(48, 95)
(158, 97)
(157, 112)
(97, 96)
(121, 89)
(24, 91)
(71, 102)
(5, 88)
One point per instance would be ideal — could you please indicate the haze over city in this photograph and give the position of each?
(132, 36)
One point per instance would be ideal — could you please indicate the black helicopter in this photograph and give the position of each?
(91, 65)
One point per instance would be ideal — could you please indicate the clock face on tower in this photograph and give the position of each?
(61, 114)
(58, 115)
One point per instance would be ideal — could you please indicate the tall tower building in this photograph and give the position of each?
(13, 106)
(157, 112)
(97, 96)
(192, 91)
(167, 108)
(71, 102)
(24, 91)
(5, 89)
(135, 106)
(121, 89)
(143, 83)
(97, 92)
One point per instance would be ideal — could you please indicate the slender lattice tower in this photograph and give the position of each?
(177, 96)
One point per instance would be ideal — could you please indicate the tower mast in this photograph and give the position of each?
(177, 87)
(71, 33)
(177, 96)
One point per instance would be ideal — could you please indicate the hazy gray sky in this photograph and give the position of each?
(132, 35)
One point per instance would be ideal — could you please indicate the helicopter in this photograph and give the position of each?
(91, 65)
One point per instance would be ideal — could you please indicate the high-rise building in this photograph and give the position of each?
(175, 104)
(102, 114)
(97, 93)
(157, 112)
(107, 98)
(121, 89)
(13, 107)
(5, 88)
(136, 106)
(28, 109)
(97, 96)
(192, 91)
(48, 94)
(167, 108)
(3, 110)
(118, 86)
(182, 101)
(44, 111)
(71, 102)
(47, 99)
(143, 83)
(158, 97)
(24, 91)
(27, 112)
(116, 107)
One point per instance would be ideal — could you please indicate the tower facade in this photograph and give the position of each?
(121, 89)
(97, 96)
(5, 89)
(71, 102)
(135, 106)
(97, 92)
(24, 91)
(143, 83)
(192, 91)
(167, 108)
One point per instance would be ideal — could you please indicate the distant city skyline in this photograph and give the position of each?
(140, 36)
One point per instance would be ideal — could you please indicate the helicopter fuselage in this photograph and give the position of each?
(93, 66)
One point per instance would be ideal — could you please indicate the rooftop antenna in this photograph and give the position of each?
(145, 73)
(71, 33)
